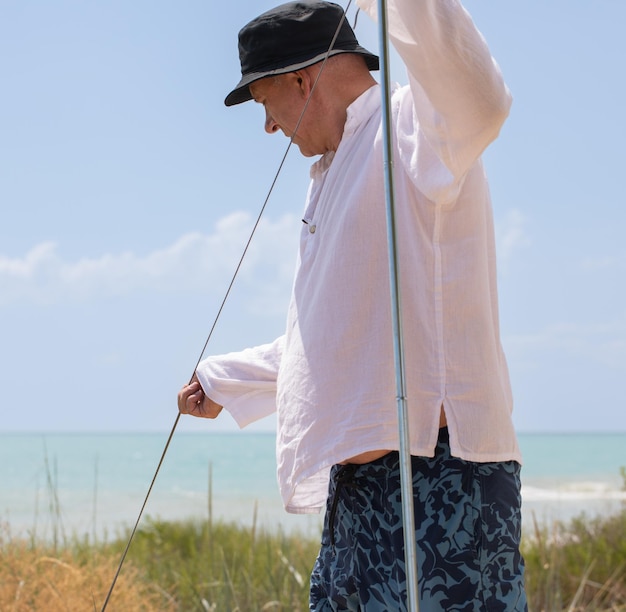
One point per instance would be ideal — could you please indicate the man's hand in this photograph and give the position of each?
(192, 400)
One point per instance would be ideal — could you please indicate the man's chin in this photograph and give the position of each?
(307, 152)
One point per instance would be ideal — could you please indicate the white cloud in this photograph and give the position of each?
(603, 343)
(195, 261)
(511, 236)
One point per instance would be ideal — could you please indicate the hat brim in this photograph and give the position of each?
(241, 92)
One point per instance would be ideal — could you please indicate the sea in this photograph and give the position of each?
(97, 485)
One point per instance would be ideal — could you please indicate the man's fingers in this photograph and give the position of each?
(189, 397)
(192, 400)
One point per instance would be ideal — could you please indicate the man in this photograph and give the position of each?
(331, 376)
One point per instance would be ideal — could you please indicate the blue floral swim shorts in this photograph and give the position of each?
(467, 530)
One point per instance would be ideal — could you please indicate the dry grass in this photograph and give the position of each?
(40, 579)
(171, 566)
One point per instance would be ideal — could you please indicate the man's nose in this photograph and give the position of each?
(271, 127)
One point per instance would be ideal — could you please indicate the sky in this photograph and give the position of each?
(128, 192)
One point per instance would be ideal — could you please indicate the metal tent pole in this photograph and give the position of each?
(406, 480)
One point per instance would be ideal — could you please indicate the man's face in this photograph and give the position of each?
(283, 98)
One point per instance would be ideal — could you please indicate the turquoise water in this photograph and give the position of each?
(101, 480)
(565, 475)
(96, 483)
(573, 456)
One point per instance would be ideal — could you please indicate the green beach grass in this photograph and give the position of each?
(214, 566)
(208, 566)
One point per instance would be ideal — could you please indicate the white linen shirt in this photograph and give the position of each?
(331, 376)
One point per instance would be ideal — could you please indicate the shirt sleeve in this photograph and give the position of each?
(459, 95)
(244, 382)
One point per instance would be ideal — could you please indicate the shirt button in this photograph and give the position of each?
(312, 229)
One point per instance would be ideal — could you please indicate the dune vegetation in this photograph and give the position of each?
(206, 565)
(209, 565)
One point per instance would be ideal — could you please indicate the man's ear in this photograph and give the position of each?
(303, 80)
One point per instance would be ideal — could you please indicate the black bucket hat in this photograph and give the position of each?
(290, 37)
